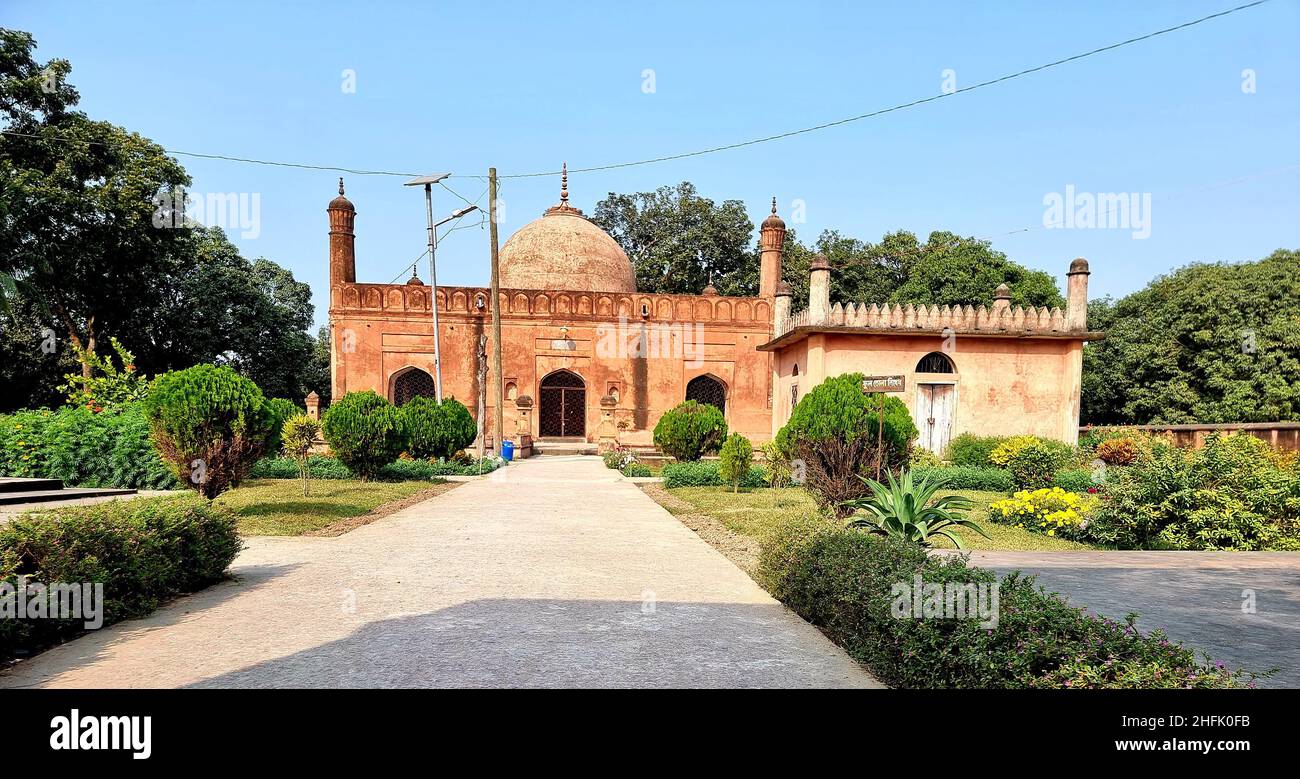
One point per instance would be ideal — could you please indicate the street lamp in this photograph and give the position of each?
(428, 182)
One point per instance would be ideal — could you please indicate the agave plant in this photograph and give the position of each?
(908, 510)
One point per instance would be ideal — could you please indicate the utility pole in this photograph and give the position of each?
(498, 394)
(433, 291)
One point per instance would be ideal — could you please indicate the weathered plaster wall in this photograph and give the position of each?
(1005, 386)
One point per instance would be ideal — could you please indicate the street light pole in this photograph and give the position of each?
(433, 292)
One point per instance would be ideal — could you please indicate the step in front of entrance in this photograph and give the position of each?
(563, 446)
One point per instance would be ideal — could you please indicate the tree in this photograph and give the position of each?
(678, 240)
(1205, 343)
(734, 460)
(316, 378)
(298, 436)
(90, 259)
(78, 202)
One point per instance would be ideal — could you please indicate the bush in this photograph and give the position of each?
(969, 478)
(971, 451)
(1051, 511)
(909, 510)
(281, 411)
(1229, 494)
(705, 474)
(735, 459)
(924, 458)
(142, 551)
(690, 431)
(1034, 465)
(364, 431)
(1007, 449)
(437, 430)
(843, 581)
(636, 470)
(324, 467)
(1117, 451)
(779, 467)
(110, 448)
(834, 430)
(1074, 480)
(209, 424)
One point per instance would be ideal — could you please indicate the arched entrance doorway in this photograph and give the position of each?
(412, 383)
(562, 406)
(707, 389)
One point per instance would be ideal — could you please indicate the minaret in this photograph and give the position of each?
(771, 236)
(1076, 308)
(819, 290)
(343, 253)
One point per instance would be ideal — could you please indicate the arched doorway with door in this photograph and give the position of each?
(562, 406)
(708, 389)
(411, 383)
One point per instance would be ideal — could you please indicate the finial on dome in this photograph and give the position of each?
(564, 183)
(773, 202)
(340, 185)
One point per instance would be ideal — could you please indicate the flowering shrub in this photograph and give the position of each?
(112, 387)
(1050, 511)
(1003, 452)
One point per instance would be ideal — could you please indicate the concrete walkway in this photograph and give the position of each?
(554, 572)
(1195, 597)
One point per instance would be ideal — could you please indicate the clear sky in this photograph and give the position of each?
(523, 86)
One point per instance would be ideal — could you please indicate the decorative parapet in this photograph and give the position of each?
(399, 299)
(936, 319)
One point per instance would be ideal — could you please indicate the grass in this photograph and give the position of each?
(759, 513)
(276, 507)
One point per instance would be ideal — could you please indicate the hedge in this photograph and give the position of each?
(324, 467)
(842, 581)
(705, 473)
(143, 551)
(968, 478)
(110, 448)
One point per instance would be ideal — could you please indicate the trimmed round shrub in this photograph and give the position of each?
(364, 431)
(691, 431)
(209, 424)
(1074, 479)
(833, 431)
(1034, 465)
(437, 431)
(734, 460)
(973, 451)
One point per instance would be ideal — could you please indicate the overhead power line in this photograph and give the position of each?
(724, 147)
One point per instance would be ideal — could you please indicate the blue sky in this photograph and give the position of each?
(523, 86)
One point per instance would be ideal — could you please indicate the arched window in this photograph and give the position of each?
(796, 369)
(412, 383)
(935, 362)
(707, 389)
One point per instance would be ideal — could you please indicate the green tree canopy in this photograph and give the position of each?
(1206, 343)
(677, 239)
(84, 258)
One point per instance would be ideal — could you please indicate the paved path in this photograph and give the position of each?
(553, 572)
(1195, 597)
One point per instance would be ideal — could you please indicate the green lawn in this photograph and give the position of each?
(276, 507)
(757, 513)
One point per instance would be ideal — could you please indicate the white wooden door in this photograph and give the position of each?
(934, 415)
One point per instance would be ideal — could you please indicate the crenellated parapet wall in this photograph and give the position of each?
(1000, 320)
(397, 300)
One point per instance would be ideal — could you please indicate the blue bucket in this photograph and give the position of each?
(507, 450)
